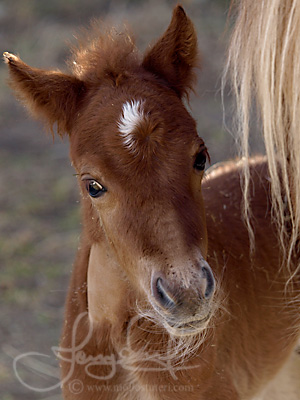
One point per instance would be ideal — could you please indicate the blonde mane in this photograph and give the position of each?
(263, 65)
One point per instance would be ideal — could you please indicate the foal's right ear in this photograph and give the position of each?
(49, 95)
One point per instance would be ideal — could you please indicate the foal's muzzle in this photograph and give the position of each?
(184, 306)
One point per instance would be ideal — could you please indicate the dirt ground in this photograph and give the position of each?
(39, 210)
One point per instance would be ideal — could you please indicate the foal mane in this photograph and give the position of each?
(103, 54)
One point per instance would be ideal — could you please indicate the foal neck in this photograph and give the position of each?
(107, 290)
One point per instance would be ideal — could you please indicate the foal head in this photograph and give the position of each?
(139, 162)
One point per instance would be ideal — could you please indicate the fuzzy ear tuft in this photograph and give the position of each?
(175, 55)
(9, 58)
(49, 95)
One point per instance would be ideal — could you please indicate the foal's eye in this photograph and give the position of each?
(200, 160)
(94, 188)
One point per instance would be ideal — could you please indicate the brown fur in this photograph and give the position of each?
(151, 222)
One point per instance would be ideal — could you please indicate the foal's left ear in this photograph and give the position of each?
(175, 54)
(49, 95)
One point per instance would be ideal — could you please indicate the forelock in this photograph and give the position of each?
(104, 54)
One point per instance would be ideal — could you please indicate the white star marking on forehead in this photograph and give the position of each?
(132, 115)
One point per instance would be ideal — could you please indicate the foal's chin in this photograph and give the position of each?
(184, 326)
(187, 329)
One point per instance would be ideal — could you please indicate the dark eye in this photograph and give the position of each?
(200, 160)
(94, 188)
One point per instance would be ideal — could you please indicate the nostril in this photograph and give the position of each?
(210, 281)
(162, 294)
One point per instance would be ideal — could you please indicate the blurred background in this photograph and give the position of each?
(39, 210)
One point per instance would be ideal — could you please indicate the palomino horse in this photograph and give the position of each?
(166, 301)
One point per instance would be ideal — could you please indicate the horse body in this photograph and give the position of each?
(166, 301)
(261, 324)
